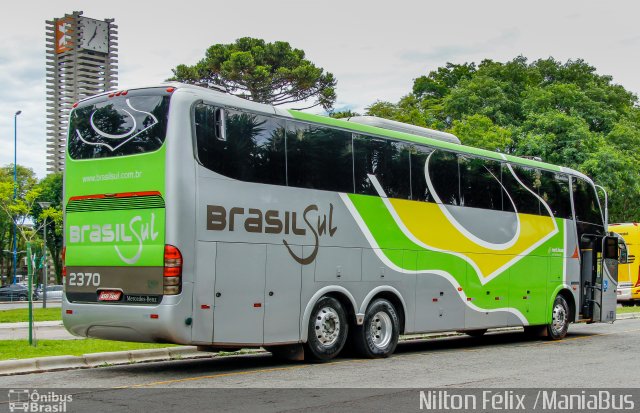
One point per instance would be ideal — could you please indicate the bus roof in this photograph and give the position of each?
(237, 102)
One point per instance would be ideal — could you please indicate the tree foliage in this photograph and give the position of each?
(51, 191)
(25, 213)
(272, 73)
(565, 113)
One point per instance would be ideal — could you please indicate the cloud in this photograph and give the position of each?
(449, 51)
(22, 74)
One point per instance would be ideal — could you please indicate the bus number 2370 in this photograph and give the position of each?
(81, 279)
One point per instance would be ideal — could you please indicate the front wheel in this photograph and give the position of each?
(557, 330)
(328, 328)
(377, 337)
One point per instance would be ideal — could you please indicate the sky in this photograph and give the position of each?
(375, 49)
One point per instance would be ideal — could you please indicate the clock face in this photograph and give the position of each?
(94, 35)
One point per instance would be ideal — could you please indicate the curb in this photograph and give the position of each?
(627, 316)
(44, 364)
(56, 363)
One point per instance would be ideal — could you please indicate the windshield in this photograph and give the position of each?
(122, 125)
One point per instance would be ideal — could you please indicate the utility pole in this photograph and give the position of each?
(44, 205)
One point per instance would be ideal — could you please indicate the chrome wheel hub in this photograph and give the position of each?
(381, 329)
(327, 326)
(559, 320)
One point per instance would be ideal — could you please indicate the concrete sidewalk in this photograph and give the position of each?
(43, 330)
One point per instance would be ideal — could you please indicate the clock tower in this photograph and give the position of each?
(82, 56)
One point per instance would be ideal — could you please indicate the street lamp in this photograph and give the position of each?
(15, 190)
(44, 205)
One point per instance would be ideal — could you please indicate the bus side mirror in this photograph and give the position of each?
(610, 248)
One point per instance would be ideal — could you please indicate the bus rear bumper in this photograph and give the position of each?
(163, 323)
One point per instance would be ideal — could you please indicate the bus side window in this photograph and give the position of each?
(523, 196)
(480, 183)
(319, 157)
(554, 189)
(252, 149)
(387, 160)
(444, 175)
(586, 202)
(418, 160)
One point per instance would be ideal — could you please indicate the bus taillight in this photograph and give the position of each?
(172, 270)
(638, 280)
(64, 265)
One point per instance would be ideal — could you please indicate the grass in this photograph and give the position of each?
(22, 314)
(624, 310)
(20, 349)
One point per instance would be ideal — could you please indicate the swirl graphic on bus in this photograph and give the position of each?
(125, 124)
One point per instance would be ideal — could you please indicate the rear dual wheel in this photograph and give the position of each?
(378, 335)
(328, 329)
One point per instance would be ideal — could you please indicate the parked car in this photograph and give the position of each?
(54, 292)
(16, 292)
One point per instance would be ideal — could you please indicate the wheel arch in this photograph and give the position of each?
(392, 295)
(335, 291)
(566, 293)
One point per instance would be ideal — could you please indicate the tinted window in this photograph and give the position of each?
(319, 157)
(586, 202)
(525, 201)
(480, 183)
(554, 189)
(119, 126)
(387, 160)
(445, 177)
(252, 151)
(418, 161)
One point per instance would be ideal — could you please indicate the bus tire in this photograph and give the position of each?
(557, 329)
(328, 329)
(378, 335)
(475, 333)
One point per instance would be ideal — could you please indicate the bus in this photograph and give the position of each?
(195, 217)
(629, 268)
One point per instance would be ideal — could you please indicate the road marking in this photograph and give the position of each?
(298, 367)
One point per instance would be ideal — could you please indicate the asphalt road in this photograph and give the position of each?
(595, 356)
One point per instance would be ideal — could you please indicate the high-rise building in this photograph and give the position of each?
(82, 57)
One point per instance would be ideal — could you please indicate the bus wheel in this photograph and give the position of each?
(557, 330)
(475, 333)
(377, 337)
(328, 328)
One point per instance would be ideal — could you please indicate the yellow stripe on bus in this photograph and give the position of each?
(430, 226)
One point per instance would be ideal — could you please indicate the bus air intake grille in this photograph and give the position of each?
(112, 204)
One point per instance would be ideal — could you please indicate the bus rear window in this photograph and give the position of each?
(120, 126)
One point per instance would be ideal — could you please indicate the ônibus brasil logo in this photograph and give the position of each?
(117, 233)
